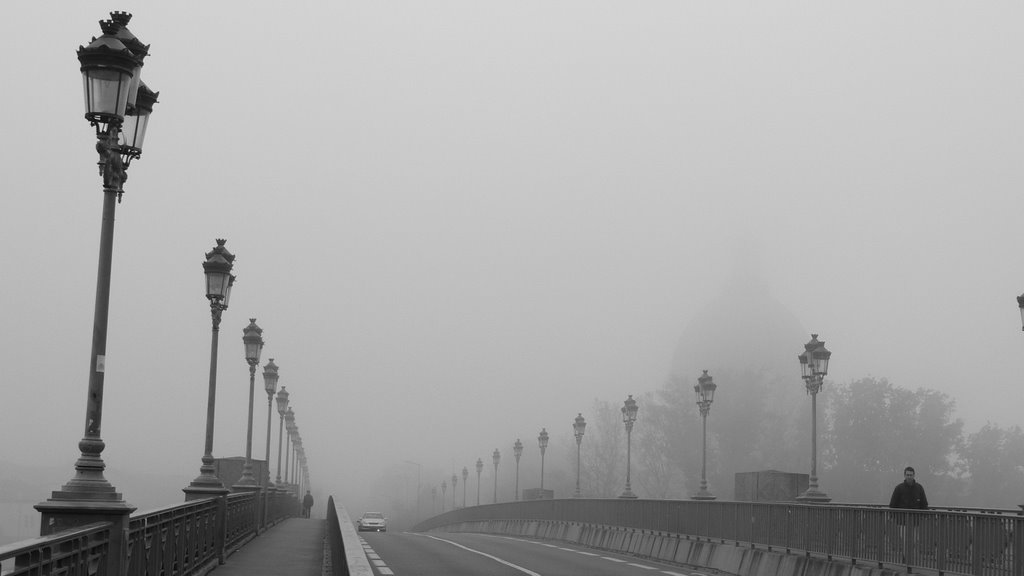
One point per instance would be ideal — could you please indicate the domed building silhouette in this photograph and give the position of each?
(748, 341)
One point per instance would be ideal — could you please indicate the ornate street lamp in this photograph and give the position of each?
(1020, 304)
(629, 410)
(444, 491)
(465, 482)
(289, 426)
(108, 68)
(219, 282)
(705, 389)
(433, 499)
(252, 338)
(479, 469)
(270, 377)
(542, 442)
(282, 408)
(110, 72)
(578, 427)
(455, 482)
(813, 368)
(496, 457)
(517, 451)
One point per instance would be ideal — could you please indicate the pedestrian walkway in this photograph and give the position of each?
(294, 547)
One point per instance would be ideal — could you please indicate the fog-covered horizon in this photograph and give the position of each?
(460, 222)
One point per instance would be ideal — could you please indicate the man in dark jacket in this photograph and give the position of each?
(307, 504)
(909, 494)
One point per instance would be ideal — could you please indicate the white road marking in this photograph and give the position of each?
(673, 573)
(613, 559)
(495, 558)
(584, 553)
(379, 563)
(642, 566)
(386, 571)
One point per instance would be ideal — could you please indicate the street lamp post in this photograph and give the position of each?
(252, 338)
(444, 491)
(496, 457)
(542, 442)
(289, 427)
(629, 410)
(419, 475)
(465, 482)
(270, 377)
(219, 281)
(455, 482)
(705, 389)
(282, 408)
(814, 367)
(578, 427)
(479, 469)
(517, 451)
(118, 105)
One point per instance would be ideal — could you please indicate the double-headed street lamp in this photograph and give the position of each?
(282, 409)
(290, 428)
(814, 366)
(219, 281)
(705, 389)
(455, 482)
(578, 427)
(465, 482)
(479, 469)
(542, 443)
(252, 338)
(629, 410)
(270, 377)
(118, 105)
(517, 451)
(496, 457)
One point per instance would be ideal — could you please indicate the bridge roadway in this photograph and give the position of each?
(463, 554)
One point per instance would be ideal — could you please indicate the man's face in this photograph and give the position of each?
(908, 477)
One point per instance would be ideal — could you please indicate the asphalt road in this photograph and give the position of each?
(441, 554)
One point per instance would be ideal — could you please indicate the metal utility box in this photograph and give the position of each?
(769, 486)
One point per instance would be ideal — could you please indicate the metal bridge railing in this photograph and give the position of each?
(183, 539)
(983, 543)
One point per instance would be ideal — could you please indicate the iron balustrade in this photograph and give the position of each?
(984, 543)
(78, 552)
(183, 539)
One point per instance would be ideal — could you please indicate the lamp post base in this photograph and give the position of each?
(813, 496)
(627, 493)
(703, 495)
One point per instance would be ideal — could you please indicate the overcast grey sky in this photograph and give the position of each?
(458, 222)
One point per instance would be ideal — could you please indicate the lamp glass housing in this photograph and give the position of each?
(496, 456)
(542, 440)
(821, 358)
(282, 401)
(217, 283)
(136, 120)
(579, 426)
(106, 93)
(479, 465)
(252, 349)
(270, 377)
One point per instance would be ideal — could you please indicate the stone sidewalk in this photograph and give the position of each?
(294, 547)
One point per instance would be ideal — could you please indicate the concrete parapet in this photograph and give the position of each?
(722, 558)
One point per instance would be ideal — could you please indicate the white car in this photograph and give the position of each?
(373, 521)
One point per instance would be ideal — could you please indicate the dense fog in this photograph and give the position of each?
(458, 223)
